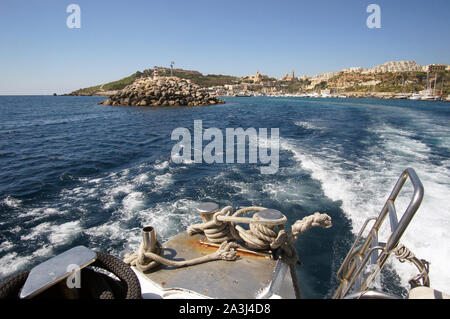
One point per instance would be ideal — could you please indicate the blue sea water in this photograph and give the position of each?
(76, 173)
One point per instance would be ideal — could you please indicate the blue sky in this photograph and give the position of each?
(41, 55)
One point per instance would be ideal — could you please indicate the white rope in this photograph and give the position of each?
(261, 235)
(146, 260)
(404, 254)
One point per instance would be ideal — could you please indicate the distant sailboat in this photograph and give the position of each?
(429, 94)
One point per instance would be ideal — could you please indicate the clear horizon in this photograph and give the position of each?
(40, 55)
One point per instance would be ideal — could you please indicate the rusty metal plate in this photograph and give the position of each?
(244, 278)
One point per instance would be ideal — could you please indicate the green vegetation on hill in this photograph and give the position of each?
(195, 76)
(389, 82)
(399, 82)
(296, 85)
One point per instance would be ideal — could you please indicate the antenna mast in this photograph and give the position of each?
(171, 68)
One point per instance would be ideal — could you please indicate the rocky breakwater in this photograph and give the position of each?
(163, 91)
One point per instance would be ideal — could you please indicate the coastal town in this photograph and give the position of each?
(356, 82)
(391, 80)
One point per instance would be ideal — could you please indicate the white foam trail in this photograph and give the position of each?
(168, 218)
(36, 231)
(51, 235)
(163, 181)
(364, 190)
(56, 234)
(5, 246)
(134, 201)
(123, 191)
(41, 212)
(141, 178)
(161, 165)
(61, 234)
(306, 125)
(11, 202)
(123, 188)
(12, 262)
(284, 192)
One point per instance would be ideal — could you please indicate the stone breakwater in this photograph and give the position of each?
(163, 91)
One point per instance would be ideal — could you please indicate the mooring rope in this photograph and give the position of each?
(148, 260)
(404, 254)
(221, 229)
(262, 234)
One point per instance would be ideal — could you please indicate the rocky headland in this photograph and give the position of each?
(162, 91)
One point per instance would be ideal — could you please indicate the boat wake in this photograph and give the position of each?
(106, 213)
(363, 187)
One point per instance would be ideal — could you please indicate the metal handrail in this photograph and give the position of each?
(358, 257)
(353, 250)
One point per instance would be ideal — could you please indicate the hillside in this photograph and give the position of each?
(398, 82)
(398, 77)
(195, 77)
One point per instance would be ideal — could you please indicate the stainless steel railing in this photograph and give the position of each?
(371, 253)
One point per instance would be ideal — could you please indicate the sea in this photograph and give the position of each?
(73, 172)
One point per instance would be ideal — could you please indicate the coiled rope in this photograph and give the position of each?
(149, 260)
(404, 254)
(223, 227)
(261, 235)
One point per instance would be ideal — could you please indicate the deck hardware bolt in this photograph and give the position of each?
(207, 210)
